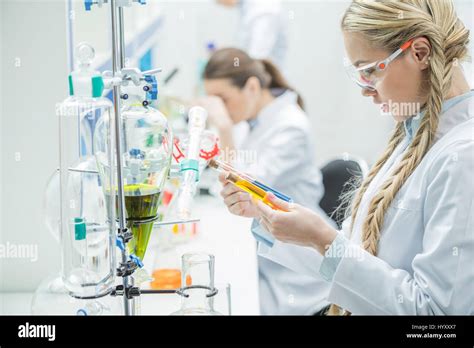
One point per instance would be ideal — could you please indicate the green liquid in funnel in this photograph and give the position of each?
(141, 202)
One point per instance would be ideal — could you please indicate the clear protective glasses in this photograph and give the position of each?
(369, 75)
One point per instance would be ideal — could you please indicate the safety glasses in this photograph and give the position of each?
(369, 75)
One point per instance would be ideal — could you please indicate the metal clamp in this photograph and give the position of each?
(125, 235)
(212, 291)
(88, 3)
(126, 268)
(132, 292)
(120, 3)
(118, 291)
(129, 292)
(157, 291)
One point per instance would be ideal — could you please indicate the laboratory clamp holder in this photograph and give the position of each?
(116, 156)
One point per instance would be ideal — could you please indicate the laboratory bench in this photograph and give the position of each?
(220, 233)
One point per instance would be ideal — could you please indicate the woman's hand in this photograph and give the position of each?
(218, 115)
(295, 224)
(238, 202)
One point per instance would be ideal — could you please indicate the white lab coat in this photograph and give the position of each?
(281, 142)
(425, 262)
(262, 30)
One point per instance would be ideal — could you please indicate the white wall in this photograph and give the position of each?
(34, 79)
(341, 118)
(188, 26)
(1, 147)
(94, 26)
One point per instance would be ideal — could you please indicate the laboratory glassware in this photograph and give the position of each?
(146, 147)
(197, 298)
(87, 233)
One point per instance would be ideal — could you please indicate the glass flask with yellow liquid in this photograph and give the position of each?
(146, 147)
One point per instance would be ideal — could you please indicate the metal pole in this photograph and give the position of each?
(121, 38)
(116, 67)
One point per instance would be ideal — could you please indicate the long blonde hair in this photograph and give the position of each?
(387, 25)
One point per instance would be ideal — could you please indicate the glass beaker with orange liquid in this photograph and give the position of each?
(166, 272)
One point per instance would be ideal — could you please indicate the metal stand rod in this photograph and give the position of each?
(127, 266)
(121, 38)
(116, 68)
(146, 292)
(181, 291)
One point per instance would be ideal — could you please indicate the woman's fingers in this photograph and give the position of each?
(265, 211)
(277, 202)
(239, 208)
(237, 197)
(222, 177)
(229, 189)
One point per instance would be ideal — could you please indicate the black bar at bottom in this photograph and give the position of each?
(169, 330)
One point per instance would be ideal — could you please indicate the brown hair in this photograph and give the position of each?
(238, 66)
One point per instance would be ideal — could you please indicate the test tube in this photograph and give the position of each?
(250, 188)
(248, 184)
(222, 166)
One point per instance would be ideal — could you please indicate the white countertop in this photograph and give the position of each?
(225, 236)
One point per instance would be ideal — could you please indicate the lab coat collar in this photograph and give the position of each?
(265, 115)
(412, 124)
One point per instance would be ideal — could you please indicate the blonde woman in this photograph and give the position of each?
(408, 246)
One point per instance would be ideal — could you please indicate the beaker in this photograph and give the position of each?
(166, 272)
(197, 298)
